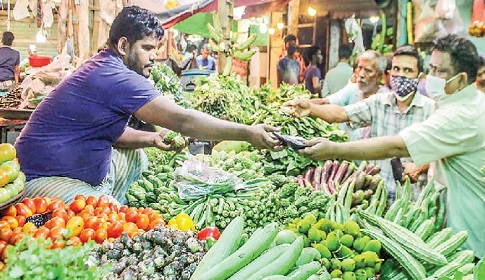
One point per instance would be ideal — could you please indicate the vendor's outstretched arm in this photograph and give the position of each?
(330, 113)
(134, 139)
(164, 112)
(368, 149)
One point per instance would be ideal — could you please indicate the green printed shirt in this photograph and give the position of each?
(453, 139)
(381, 113)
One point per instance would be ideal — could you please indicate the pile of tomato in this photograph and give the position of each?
(82, 220)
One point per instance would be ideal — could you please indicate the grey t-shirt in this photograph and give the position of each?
(8, 59)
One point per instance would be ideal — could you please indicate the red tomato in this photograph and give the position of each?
(4, 224)
(123, 208)
(5, 234)
(56, 222)
(92, 222)
(21, 220)
(142, 221)
(158, 221)
(80, 196)
(87, 234)
(131, 216)
(56, 204)
(29, 202)
(58, 243)
(42, 232)
(73, 241)
(77, 205)
(3, 245)
(56, 233)
(113, 207)
(16, 238)
(10, 211)
(130, 229)
(115, 229)
(103, 201)
(23, 210)
(12, 221)
(100, 235)
(61, 213)
(91, 200)
(40, 205)
(89, 209)
(209, 232)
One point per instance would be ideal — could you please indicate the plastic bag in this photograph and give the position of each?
(445, 9)
(196, 179)
(20, 10)
(427, 26)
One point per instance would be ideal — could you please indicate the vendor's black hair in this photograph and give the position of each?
(410, 51)
(345, 51)
(290, 37)
(134, 23)
(310, 52)
(7, 38)
(388, 58)
(463, 53)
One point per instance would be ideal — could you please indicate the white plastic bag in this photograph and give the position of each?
(445, 9)
(20, 10)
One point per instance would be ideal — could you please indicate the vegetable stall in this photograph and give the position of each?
(236, 213)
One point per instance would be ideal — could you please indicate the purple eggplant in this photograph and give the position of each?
(368, 167)
(299, 179)
(335, 167)
(359, 181)
(341, 172)
(307, 183)
(317, 175)
(327, 168)
(375, 182)
(331, 186)
(374, 170)
(349, 172)
(309, 174)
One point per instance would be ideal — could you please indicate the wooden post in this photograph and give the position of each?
(293, 14)
(225, 8)
(96, 25)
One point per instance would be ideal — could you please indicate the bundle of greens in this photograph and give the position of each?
(168, 83)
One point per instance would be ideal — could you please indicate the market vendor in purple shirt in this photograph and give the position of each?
(77, 140)
(312, 72)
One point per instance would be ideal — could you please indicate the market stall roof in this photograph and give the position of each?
(187, 8)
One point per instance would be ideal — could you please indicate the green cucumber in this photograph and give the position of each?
(283, 264)
(225, 246)
(256, 244)
(277, 277)
(262, 261)
(304, 271)
(307, 255)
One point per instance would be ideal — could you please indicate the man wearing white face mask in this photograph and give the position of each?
(452, 138)
(385, 113)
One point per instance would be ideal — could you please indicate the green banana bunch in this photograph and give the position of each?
(246, 44)
(214, 46)
(214, 34)
(244, 56)
(217, 23)
(227, 67)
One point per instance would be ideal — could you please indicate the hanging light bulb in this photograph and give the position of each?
(271, 31)
(374, 19)
(311, 11)
(263, 28)
(280, 25)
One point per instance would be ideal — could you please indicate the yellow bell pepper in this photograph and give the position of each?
(182, 222)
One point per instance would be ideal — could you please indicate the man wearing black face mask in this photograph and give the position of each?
(386, 113)
(452, 139)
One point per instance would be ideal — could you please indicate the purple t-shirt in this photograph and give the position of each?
(72, 130)
(8, 59)
(311, 72)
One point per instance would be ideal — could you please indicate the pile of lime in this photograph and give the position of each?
(345, 252)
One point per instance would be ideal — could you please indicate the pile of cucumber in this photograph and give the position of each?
(258, 258)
